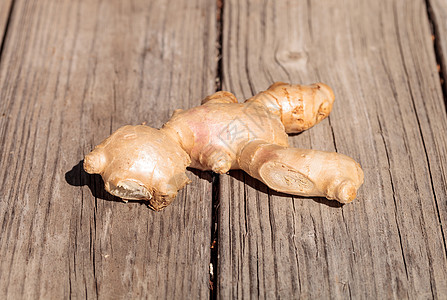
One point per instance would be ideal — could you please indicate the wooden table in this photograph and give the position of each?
(72, 72)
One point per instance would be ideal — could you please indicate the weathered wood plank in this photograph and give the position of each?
(73, 72)
(389, 115)
(438, 17)
(5, 6)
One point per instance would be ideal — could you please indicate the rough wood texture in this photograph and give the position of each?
(4, 14)
(389, 115)
(438, 17)
(71, 73)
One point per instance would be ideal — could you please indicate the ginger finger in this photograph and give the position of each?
(303, 172)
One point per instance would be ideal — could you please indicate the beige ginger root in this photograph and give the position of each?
(143, 163)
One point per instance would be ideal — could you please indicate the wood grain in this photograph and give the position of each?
(389, 115)
(5, 6)
(438, 17)
(72, 72)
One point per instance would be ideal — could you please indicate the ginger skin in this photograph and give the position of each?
(143, 163)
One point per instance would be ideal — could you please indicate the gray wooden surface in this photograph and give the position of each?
(4, 14)
(71, 72)
(389, 115)
(438, 16)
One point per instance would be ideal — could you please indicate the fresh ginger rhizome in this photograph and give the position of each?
(143, 163)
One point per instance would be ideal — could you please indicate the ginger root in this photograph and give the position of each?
(143, 163)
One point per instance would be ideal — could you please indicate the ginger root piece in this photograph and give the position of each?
(143, 163)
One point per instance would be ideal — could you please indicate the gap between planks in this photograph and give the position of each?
(214, 257)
